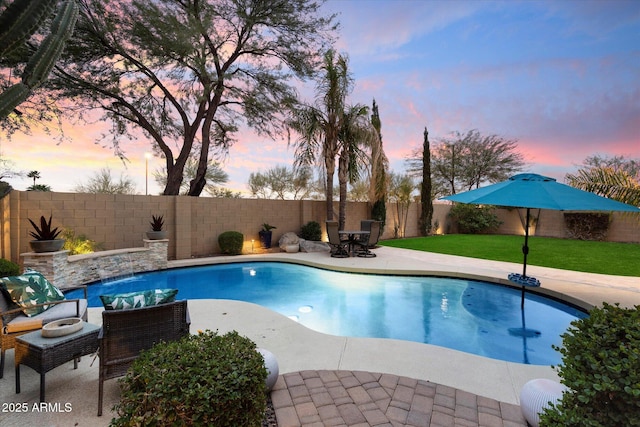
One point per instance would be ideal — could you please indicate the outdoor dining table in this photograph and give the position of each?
(353, 236)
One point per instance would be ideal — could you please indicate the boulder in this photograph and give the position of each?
(287, 239)
(311, 246)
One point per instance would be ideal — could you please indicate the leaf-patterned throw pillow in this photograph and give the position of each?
(138, 299)
(29, 289)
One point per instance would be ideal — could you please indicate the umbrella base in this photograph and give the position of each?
(521, 280)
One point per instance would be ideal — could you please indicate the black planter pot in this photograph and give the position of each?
(42, 246)
(265, 239)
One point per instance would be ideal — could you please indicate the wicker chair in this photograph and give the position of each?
(13, 322)
(125, 333)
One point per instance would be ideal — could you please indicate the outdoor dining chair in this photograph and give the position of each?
(339, 248)
(369, 241)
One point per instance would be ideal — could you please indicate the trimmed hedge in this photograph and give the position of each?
(201, 380)
(8, 268)
(231, 242)
(601, 368)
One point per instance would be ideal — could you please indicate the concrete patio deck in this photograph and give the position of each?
(454, 388)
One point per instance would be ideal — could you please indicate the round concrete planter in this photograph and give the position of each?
(41, 246)
(271, 363)
(156, 235)
(62, 327)
(538, 394)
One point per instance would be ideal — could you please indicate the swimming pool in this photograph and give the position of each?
(466, 315)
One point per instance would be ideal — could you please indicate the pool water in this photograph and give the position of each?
(466, 315)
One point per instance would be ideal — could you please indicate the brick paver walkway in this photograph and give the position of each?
(359, 399)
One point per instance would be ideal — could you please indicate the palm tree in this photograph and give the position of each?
(609, 182)
(355, 131)
(35, 175)
(318, 126)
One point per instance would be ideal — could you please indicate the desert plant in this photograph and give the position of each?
(157, 222)
(79, 244)
(230, 242)
(601, 368)
(8, 268)
(267, 227)
(18, 22)
(44, 232)
(311, 231)
(474, 219)
(201, 380)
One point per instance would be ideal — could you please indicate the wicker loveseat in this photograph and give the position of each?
(125, 333)
(14, 322)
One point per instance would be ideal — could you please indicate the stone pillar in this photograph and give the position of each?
(52, 265)
(158, 258)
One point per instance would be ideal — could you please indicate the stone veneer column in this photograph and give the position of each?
(158, 258)
(52, 265)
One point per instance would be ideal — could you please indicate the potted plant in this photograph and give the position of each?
(45, 237)
(265, 235)
(157, 232)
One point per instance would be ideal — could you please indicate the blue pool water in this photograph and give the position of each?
(466, 315)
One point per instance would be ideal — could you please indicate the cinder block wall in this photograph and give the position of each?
(194, 223)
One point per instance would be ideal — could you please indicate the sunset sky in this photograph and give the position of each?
(560, 77)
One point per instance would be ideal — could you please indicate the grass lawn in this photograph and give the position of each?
(621, 259)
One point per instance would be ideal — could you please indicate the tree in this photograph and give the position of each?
(379, 164)
(355, 131)
(466, 161)
(359, 191)
(7, 170)
(223, 193)
(102, 182)
(615, 178)
(213, 175)
(379, 171)
(35, 175)
(39, 187)
(187, 73)
(426, 201)
(18, 22)
(281, 183)
(318, 126)
(401, 193)
(617, 163)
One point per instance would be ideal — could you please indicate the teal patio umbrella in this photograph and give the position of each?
(532, 191)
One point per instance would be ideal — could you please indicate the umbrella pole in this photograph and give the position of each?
(525, 251)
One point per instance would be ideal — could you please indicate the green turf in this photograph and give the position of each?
(621, 259)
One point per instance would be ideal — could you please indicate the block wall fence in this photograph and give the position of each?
(194, 223)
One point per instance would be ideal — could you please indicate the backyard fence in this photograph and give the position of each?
(194, 223)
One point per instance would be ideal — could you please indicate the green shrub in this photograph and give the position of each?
(8, 268)
(201, 380)
(474, 219)
(601, 368)
(79, 244)
(311, 231)
(230, 242)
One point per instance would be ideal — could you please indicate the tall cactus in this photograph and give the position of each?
(43, 60)
(20, 20)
